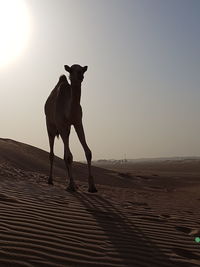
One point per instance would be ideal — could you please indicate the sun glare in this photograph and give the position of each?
(14, 29)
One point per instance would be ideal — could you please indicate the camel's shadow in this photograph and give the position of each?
(132, 247)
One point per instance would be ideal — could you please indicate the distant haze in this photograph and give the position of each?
(140, 95)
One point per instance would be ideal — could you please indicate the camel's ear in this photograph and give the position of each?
(67, 68)
(85, 68)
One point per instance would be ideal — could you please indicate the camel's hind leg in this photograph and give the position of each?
(51, 158)
(51, 134)
(81, 135)
(68, 158)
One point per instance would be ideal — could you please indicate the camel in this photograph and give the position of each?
(62, 110)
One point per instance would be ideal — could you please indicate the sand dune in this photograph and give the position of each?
(28, 158)
(129, 222)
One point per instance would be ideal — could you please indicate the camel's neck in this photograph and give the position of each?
(76, 93)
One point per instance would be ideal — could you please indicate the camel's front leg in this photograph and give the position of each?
(68, 158)
(81, 135)
(51, 157)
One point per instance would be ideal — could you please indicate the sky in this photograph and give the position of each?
(140, 95)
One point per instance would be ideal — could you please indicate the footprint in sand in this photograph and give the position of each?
(147, 208)
(186, 253)
(183, 229)
(165, 216)
(195, 232)
(4, 197)
(140, 203)
(189, 231)
(189, 212)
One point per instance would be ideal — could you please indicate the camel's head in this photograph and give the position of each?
(76, 73)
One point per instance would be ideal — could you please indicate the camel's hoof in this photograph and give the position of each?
(92, 189)
(50, 182)
(71, 188)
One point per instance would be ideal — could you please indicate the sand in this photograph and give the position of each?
(146, 219)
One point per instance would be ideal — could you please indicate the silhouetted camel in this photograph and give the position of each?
(62, 110)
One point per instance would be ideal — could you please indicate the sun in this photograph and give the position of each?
(14, 30)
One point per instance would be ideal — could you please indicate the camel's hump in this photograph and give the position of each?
(62, 79)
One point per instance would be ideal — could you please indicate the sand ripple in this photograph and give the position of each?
(47, 226)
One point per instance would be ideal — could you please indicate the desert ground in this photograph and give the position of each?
(144, 214)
